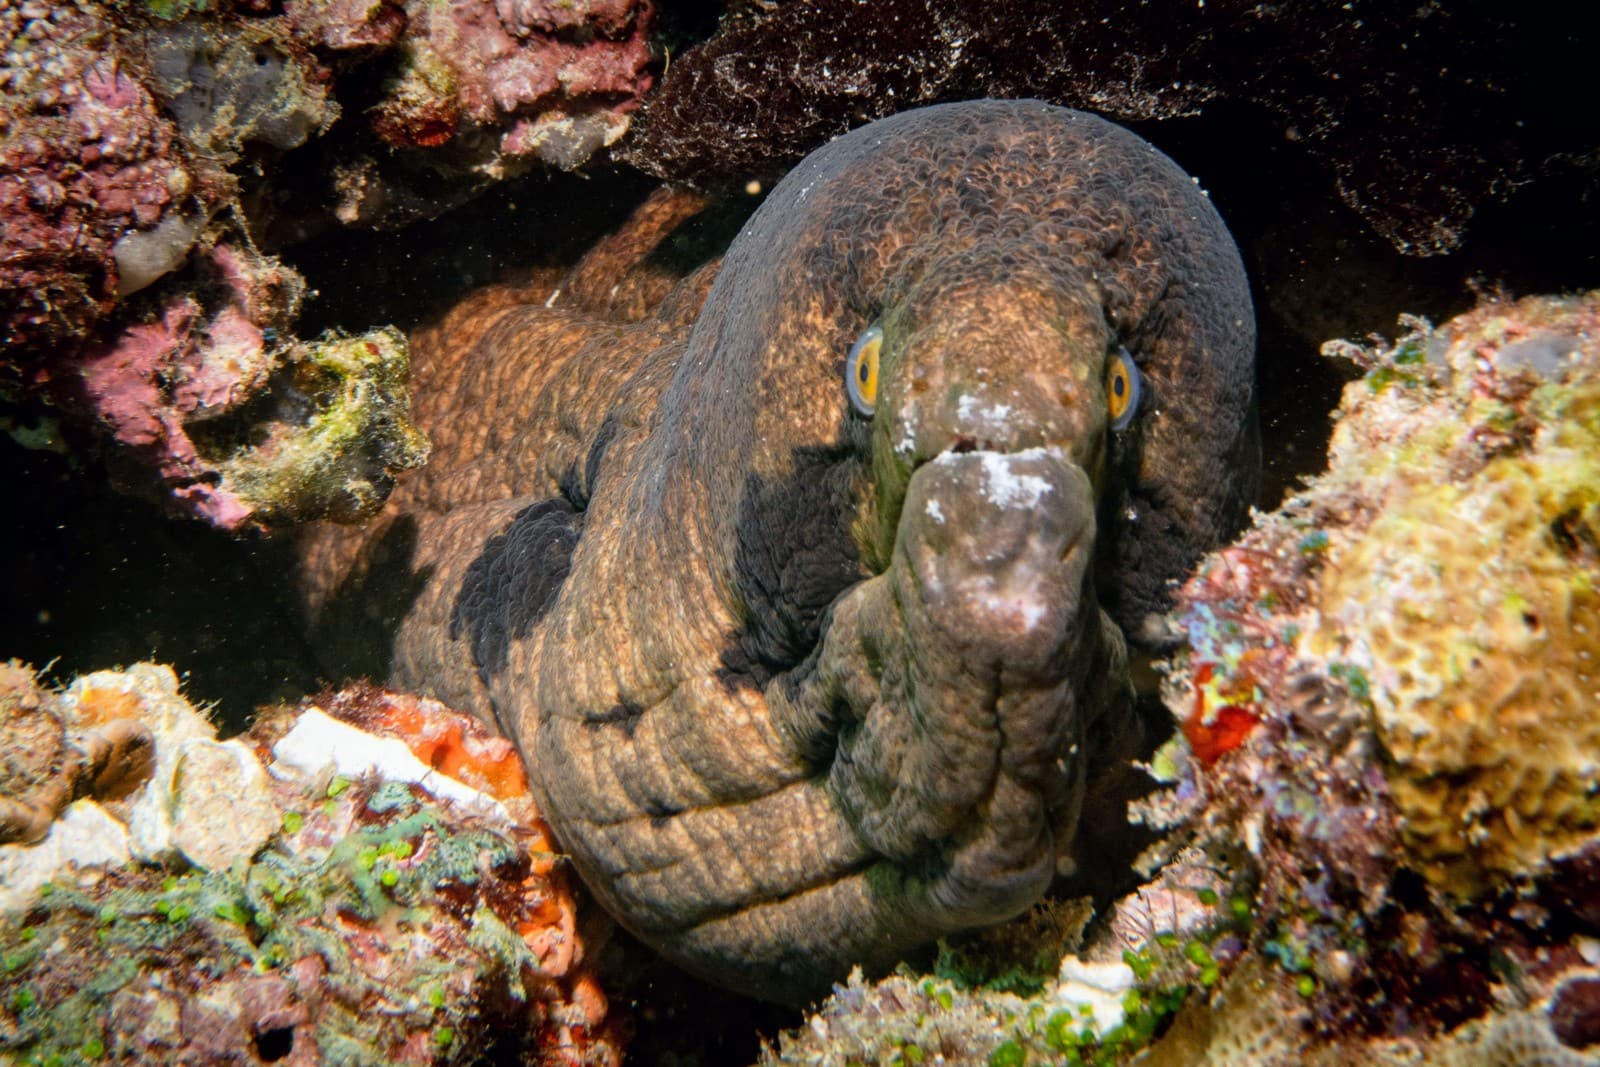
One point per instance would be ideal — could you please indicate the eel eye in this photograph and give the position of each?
(861, 370)
(1122, 390)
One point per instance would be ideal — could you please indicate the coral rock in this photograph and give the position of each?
(779, 79)
(233, 84)
(138, 154)
(1408, 827)
(178, 390)
(54, 758)
(85, 157)
(514, 81)
(378, 923)
(1472, 599)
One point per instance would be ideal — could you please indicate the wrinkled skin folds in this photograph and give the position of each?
(800, 687)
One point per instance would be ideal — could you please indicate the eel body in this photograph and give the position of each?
(804, 591)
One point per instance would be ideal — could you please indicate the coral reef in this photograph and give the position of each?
(543, 80)
(313, 892)
(1440, 580)
(1388, 706)
(471, 92)
(1014, 998)
(1470, 601)
(777, 80)
(193, 370)
(244, 425)
(1381, 845)
(85, 157)
(138, 164)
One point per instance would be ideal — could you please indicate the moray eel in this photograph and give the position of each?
(805, 596)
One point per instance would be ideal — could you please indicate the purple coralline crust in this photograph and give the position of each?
(130, 297)
(146, 384)
(85, 156)
(347, 25)
(496, 64)
(131, 142)
(1420, 113)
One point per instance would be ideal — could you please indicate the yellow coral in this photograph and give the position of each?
(1471, 602)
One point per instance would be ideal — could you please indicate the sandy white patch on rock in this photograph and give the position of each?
(320, 745)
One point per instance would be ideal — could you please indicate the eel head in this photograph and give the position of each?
(974, 678)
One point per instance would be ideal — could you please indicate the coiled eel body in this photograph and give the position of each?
(811, 665)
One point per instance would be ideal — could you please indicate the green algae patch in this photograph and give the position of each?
(1019, 994)
(341, 433)
(91, 968)
(374, 921)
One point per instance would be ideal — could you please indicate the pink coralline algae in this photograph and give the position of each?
(348, 25)
(109, 85)
(147, 381)
(85, 156)
(136, 151)
(552, 81)
(178, 391)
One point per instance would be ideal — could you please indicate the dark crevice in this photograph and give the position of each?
(274, 1044)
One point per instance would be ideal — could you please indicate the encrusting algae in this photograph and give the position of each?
(1392, 717)
(1471, 600)
(387, 914)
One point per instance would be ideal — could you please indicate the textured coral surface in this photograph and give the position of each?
(543, 80)
(141, 162)
(307, 915)
(1405, 650)
(1471, 599)
(85, 155)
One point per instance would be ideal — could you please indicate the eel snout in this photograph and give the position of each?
(996, 544)
(979, 660)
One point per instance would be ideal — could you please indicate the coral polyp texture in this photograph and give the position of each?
(361, 880)
(1388, 704)
(85, 156)
(242, 424)
(551, 82)
(1471, 600)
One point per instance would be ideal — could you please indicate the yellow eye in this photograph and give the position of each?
(861, 370)
(1123, 385)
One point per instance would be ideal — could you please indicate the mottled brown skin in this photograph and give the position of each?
(800, 688)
